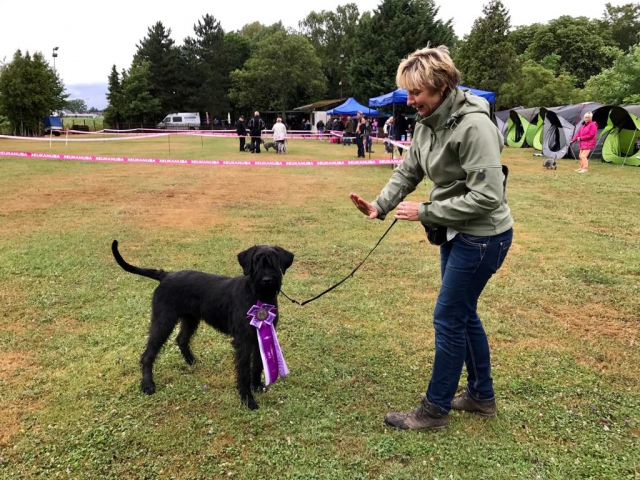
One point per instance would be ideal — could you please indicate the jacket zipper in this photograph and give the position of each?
(428, 154)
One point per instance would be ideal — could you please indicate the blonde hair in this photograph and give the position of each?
(588, 114)
(430, 68)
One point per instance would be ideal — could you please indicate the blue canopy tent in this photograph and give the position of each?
(351, 107)
(399, 96)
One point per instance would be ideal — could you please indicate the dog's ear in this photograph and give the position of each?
(286, 258)
(244, 259)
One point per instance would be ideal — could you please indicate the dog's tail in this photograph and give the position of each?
(145, 272)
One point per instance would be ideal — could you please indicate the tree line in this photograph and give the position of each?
(342, 53)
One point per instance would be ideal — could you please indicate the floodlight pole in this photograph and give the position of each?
(55, 54)
(341, 58)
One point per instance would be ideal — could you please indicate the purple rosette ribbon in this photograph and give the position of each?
(262, 316)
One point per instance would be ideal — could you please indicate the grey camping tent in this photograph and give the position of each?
(601, 117)
(560, 124)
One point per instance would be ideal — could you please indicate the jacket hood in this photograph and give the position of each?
(458, 104)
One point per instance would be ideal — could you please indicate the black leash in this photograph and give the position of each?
(345, 278)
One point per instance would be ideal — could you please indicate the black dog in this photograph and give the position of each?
(251, 146)
(189, 296)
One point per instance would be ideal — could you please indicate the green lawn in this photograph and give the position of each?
(562, 316)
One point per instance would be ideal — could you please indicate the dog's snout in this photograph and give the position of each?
(269, 280)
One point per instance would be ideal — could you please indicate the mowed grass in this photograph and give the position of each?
(562, 318)
(193, 147)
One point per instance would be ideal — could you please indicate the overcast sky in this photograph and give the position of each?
(93, 36)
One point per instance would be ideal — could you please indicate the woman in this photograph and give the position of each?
(360, 135)
(587, 137)
(457, 146)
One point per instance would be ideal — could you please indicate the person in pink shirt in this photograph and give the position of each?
(586, 135)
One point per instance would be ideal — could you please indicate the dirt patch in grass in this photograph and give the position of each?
(595, 321)
(166, 196)
(13, 365)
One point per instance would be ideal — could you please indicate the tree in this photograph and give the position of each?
(164, 59)
(77, 105)
(238, 49)
(486, 58)
(283, 72)
(114, 113)
(619, 84)
(396, 29)
(139, 104)
(256, 31)
(29, 90)
(623, 23)
(333, 35)
(207, 67)
(581, 51)
(521, 37)
(536, 86)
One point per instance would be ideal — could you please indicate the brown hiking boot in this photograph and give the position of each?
(426, 417)
(466, 403)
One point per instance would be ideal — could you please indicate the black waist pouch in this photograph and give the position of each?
(436, 234)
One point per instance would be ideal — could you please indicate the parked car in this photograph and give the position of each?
(181, 121)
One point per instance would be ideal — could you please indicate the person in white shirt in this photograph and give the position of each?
(279, 134)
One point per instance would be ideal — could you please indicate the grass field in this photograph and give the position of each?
(562, 316)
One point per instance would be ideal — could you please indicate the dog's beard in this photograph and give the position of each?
(268, 289)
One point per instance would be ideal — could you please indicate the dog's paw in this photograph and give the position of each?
(250, 402)
(190, 359)
(148, 387)
(258, 387)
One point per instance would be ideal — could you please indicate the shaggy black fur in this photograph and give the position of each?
(189, 296)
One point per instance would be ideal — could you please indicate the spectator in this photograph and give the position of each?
(389, 131)
(256, 125)
(360, 134)
(367, 135)
(587, 137)
(349, 131)
(320, 127)
(279, 134)
(401, 126)
(241, 130)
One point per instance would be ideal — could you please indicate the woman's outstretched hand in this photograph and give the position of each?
(364, 206)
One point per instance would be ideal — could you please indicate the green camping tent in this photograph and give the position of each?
(522, 127)
(536, 140)
(622, 144)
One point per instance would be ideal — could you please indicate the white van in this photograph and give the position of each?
(181, 121)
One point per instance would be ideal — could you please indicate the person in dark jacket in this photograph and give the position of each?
(401, 126)
(241, 130)
(256, 125)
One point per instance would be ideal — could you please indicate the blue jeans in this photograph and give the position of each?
(467, 263)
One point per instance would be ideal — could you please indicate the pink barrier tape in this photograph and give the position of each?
(65, 139)
(295, 163)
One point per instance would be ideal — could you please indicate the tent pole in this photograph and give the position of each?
(631, 143)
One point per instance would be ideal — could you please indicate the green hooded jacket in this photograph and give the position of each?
(458, 148)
